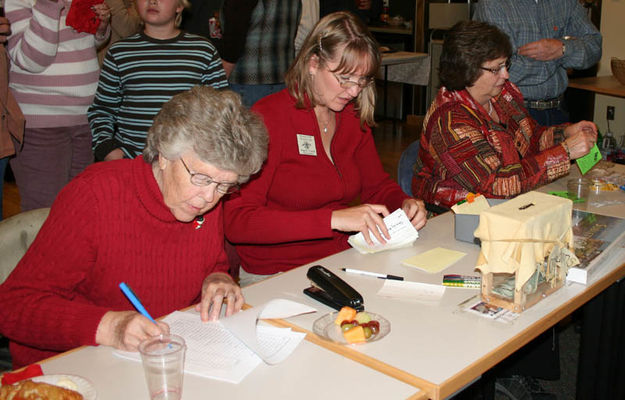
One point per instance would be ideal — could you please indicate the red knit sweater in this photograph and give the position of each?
(281, 218)
(106, 226)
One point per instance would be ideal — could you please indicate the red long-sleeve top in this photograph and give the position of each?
(281, 218)
(108, 225)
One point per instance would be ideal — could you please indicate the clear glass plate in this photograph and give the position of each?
(327, 329)
(84, 387)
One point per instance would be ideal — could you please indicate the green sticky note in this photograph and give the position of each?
(589, 160)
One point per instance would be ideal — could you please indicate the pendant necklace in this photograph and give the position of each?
(490, 107)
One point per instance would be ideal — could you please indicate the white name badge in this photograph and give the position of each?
(306, 145)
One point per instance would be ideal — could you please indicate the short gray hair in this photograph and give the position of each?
(215, 125)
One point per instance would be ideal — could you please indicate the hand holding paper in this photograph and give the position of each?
(400, 229)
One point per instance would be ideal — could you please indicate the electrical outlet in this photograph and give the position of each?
(610, 113)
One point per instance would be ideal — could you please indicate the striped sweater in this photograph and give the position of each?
(54, 71)
(139, 74)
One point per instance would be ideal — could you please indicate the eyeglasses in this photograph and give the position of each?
(205, 180)
(346, 83)
(496, 71)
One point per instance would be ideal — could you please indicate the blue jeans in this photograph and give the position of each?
(3, 165)
(252, 93)
(549, 117)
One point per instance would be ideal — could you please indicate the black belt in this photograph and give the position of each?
(544, 104)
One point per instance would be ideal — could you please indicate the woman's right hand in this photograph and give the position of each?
(580, 138)
(124, 330)
(364, 218)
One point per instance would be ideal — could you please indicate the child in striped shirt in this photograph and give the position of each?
(142, 72)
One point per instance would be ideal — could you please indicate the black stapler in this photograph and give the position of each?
(332, 290)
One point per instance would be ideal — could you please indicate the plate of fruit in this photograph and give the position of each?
(349, 326)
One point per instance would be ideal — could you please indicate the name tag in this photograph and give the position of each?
(306, 145)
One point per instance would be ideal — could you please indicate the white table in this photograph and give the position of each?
(433, 346)
(311, 372)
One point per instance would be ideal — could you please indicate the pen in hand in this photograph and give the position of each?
(135, 301)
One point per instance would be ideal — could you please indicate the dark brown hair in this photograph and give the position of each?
(467, 46)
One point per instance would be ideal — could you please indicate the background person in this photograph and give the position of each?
(124, 22)
(258, 44)
(321, 159)
(54, 75)
(140, 73)
(12, 125)
(548, 37)
(154, 222)
(477, 135)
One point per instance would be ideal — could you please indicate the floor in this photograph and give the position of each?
(391, 138)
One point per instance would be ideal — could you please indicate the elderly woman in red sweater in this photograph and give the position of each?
(321, 159)
(154, 222)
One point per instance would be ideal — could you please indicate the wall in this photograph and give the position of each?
(612, 20)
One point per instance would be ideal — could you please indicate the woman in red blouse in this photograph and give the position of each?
(478, 137)
(323, 178)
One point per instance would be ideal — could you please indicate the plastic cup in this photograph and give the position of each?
(578, 189)
(163, 364)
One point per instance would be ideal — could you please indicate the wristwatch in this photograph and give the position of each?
(564, 39)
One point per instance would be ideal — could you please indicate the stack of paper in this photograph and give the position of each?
(400, 229)
(229, 349)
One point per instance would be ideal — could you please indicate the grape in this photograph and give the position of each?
(368, 332)
(346, 327)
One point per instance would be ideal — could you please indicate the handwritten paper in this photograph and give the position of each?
(416, 291)
(402, 233)
(589, 160)
(434, 260)
(229, 349)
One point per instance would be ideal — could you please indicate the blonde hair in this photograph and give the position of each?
(215, 125)
(184, 4)
(341, 37)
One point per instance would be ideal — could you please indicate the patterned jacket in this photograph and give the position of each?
(463, 150)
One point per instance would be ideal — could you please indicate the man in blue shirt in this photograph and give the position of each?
(549, 37)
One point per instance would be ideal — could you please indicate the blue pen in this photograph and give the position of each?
(135, 301)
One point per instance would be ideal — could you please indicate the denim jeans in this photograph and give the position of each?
(252, 93)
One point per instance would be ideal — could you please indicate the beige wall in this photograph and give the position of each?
(613, 31)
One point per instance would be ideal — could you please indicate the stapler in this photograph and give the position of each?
(332, 290)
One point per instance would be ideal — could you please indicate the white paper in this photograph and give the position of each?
(411, 291)
(402, 233)
(229, 349)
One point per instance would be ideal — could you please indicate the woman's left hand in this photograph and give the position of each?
(217, 288)
(103, 12)
(415, 211)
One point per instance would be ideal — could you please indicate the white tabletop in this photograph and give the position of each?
(311, 372)
(435, 344)
(406, 67)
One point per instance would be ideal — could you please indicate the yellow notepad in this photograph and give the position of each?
(434, 260)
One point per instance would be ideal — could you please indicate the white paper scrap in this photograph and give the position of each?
(411, 291)
(402, 232)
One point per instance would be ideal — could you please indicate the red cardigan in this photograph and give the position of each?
(108, 225)
(281, 218)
